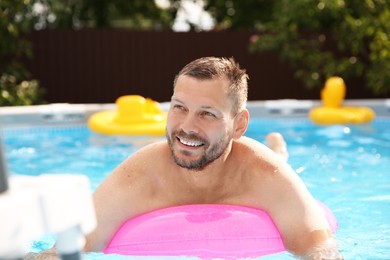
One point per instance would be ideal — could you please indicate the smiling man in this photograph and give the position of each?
(207, 159)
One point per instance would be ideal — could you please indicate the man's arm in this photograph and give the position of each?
(116, 199)
(301, 221)
(125, 193)
(299, 218)
(108, 201)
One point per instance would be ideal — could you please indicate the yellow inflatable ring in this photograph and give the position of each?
(343, 115)
(135, 115)
(332, 111)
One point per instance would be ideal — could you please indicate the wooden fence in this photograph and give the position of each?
(98, 66)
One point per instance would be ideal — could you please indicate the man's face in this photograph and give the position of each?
(199, 125)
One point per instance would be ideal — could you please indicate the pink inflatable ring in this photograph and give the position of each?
(205, 230)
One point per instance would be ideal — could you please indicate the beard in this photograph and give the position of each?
(211, 153)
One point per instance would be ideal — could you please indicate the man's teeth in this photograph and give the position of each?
(190, 143)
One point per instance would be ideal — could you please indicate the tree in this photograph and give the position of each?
(19, 18)
(138, 14)
(16, 85)
(323, 38)
(238, 14)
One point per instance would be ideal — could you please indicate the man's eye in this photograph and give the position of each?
(178, 106)
(208, 114)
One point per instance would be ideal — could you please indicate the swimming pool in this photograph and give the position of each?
(346, 167)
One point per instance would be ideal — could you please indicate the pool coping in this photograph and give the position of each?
(66, 113)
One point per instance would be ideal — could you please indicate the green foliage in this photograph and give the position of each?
(16, 88)
(18, 18)
(318, 38)
(239, 14)
(14, 93)
(138, 14)
(323, 38)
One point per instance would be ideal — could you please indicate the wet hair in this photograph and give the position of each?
(208, 68)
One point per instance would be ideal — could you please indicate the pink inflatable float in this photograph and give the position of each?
(206, 231)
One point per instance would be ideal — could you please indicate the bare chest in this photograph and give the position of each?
(237, 189)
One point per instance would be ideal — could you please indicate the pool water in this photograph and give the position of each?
(346, 167)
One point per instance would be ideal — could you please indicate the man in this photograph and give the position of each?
(206, 159)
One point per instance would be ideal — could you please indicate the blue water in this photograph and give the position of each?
(346, 167)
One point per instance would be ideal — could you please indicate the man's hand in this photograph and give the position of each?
(325, 251)
(49, 254)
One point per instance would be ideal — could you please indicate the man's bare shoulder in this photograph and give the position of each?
(136, 166)
(156, 147)
(249, 142)
(253, 147)
(151, 153)
(259, 158)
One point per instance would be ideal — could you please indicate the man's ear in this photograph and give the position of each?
(241, 124)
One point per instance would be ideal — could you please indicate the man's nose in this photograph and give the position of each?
(190, 124)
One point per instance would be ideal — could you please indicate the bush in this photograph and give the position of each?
(16, 85)
(14, 93)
